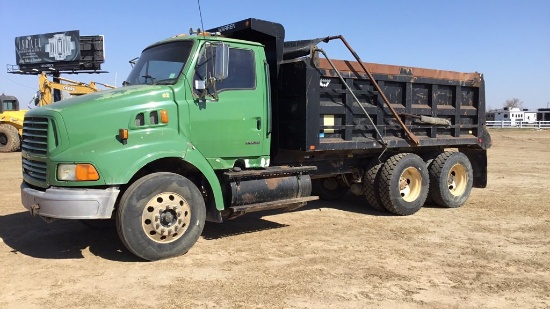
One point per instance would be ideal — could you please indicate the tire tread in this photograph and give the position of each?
(12, 135)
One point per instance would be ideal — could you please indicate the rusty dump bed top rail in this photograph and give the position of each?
(346, 66)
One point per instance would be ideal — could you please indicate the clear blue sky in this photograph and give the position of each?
(508, 41)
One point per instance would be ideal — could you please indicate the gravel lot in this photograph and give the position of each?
(491, 253)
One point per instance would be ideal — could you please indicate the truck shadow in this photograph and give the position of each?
(69, 239)
(254, 222)
(250, 223)
(349, 203)
(63, 239)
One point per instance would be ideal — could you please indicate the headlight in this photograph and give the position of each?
(77, 172)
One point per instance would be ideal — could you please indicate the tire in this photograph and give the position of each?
(371, 181)
(451, 179)
(9, 138)
(329, 189)
(428, 159)
(404, 184)
(161, 215)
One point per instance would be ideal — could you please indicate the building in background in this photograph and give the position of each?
(543, 114)
(514, 115)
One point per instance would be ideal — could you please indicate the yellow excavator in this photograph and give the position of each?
(11, 117)
(74, 88)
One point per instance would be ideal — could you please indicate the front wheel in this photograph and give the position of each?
(161, 215)
(404, 184)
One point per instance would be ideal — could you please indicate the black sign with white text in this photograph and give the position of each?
(48, 48)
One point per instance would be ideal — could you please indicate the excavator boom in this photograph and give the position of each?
(46, 87)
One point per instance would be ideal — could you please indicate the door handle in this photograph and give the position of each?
(259, 123)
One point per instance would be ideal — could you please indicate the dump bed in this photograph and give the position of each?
(317, 112)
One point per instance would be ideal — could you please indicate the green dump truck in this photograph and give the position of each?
(212, 126)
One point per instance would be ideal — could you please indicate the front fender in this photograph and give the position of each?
(186, 151)
(194, 157)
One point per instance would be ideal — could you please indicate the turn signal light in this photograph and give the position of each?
(86, 172)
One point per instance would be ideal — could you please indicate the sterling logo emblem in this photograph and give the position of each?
(60, 46)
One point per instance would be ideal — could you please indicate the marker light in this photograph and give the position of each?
(123, 135)
(77, 172)
(164, 116)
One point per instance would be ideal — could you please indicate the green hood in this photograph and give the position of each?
(87, 127)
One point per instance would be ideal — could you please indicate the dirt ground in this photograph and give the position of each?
(494, 252)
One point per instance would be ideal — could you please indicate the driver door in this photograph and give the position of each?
(228, 117)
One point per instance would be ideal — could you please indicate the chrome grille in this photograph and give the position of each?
(35, 143)
(35, 135)
(34, 169)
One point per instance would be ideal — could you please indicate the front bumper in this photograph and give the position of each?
(65, 203)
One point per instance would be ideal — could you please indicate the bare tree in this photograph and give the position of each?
(515, 102)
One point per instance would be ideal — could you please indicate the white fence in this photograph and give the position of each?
(518, 124)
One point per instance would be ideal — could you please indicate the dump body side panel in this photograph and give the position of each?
(318, 113)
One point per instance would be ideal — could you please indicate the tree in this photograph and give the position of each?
(514, 103)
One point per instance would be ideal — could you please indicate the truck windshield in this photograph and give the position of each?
(160, 65)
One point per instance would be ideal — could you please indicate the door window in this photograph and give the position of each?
(242, 70)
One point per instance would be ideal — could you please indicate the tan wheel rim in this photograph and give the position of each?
(166, 217)
(410, 184)
(457, 180)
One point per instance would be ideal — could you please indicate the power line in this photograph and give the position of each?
(17, 83)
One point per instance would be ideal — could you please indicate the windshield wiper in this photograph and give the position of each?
(167, 81)
(149, 77)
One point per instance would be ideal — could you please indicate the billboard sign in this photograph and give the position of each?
(92, 48)
(47, 48)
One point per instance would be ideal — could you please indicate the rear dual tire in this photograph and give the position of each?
(371, 181)
(451, 179)
(404, 184)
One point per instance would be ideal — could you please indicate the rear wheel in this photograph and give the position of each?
(372, 179)
(428, 159)
(329, 189)
(9, 138)
(161, 215)
(451, 179)
(404, 183)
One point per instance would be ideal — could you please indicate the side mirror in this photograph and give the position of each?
(221, 65)
(200, 85)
